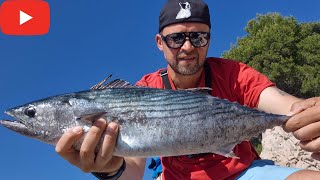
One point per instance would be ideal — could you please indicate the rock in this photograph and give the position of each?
(284, 150)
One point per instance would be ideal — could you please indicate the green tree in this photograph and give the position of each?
(287, 51)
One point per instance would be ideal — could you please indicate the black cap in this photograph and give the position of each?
(179, 11)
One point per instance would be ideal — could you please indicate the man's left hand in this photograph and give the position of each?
(305, 124)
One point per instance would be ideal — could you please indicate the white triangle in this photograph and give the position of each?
(24, 17)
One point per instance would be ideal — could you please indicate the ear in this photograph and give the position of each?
(159, 42)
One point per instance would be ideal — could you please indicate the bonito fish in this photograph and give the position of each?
(152, 122)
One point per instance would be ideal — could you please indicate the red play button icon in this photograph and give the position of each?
(25, 17)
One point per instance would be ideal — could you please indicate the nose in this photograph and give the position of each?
(187, 46)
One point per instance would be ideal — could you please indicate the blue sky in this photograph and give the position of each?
(88, 40)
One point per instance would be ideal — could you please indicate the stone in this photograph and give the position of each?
(284, 150)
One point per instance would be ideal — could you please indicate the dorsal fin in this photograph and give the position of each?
(99, 85)
(117, 83)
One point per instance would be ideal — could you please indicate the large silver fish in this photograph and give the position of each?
(153, 122)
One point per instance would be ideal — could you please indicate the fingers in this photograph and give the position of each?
(308, 132)
(65, 148)
(87, 151)
(105, 152)
(303, 105)
(316, 156)
(87, 159)
(302, 119)
(109, 141)
(311, 146)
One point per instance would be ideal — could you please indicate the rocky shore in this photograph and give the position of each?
(284, 149)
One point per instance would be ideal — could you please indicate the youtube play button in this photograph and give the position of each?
(21, 17)
(24, 17)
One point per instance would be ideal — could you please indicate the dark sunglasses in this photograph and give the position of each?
(176, 40)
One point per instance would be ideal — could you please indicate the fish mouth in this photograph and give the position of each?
(17, 126)
(10, 124)
(16, 122)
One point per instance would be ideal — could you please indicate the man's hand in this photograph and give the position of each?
(86, 159)
(305, 124)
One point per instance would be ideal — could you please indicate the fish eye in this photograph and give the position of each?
(30, 112)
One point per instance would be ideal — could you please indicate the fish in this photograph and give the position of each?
(152, 122)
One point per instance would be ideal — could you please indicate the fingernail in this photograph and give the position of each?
(77, 130)
(98, 123)
(112, 127)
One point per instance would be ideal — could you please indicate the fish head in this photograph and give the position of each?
(45, 120)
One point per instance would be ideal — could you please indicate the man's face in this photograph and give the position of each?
(186, 60)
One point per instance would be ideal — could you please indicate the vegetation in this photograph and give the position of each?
(286, 51)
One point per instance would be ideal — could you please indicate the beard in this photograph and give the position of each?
(186, 69)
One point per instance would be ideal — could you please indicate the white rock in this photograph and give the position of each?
(284, 149)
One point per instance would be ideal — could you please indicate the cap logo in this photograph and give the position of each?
(185, 10)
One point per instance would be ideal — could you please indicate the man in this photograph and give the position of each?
(184, 37)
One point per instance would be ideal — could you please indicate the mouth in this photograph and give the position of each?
(16, 122)
(17, 126)
(15, 113)
(187, 58)
(12, 124)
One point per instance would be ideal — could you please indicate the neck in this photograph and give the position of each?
(184, 81)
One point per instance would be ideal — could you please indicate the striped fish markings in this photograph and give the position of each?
(152, 122)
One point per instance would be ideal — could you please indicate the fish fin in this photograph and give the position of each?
(117, 83)
(231, 155)
(227, 152)
(92, 117)
(200, 89)
(99, 85)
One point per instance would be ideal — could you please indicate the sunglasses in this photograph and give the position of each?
(176, 40)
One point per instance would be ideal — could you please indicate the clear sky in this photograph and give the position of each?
(88, 40)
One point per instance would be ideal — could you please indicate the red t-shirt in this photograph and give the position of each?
(230, 80)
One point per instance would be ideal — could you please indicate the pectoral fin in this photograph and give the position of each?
(92, 117)
(227, 151)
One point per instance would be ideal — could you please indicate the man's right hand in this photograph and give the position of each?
(86, 159)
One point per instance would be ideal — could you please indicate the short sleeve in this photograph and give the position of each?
(251, 84)
(152, 80)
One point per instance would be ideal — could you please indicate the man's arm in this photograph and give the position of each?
(274, 100)
(305, 120)
(135, 168)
